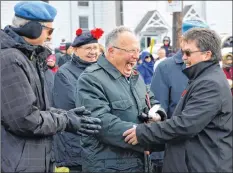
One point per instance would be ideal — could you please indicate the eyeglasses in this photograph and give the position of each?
(188, 52)
(133, 51)
(50, 29)
(89, 49)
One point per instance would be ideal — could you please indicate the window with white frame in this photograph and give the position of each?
(83, 3)
(83, 22)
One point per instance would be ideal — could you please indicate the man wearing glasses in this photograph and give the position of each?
(116, 94)
(169, 82)
(86, 52)
(28, 123)
(198, 136)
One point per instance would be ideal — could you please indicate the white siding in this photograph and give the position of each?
(105, 16)
(62, 22)
(7, 12)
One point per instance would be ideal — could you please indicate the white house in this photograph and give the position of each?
(71, 15)
(108, 14)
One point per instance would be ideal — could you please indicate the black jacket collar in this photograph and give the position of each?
(80, 63)
(196, 70)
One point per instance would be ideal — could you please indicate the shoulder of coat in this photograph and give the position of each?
(12, 55)
(92, 68)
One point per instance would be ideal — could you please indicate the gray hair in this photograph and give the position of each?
(161, 49)
(206, 40)
(113, 35)
(17, 22)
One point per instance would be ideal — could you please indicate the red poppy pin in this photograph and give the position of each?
(97, 33)
(183, 93)
(79, 32)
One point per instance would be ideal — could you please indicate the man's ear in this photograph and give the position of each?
(110, 51)
(208, 56)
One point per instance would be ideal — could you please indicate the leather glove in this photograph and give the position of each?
(78, 121)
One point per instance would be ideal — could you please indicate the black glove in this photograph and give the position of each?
(79, 122)
(143, 117)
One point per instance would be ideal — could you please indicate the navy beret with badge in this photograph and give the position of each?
(35, 10)
(87, 37)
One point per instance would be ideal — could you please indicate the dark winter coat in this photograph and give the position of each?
(27, 123)
(67, 145)
(117, 101)
(146, 68)
(169, 82)
(199, 134)
(49, 83)
(63, 59)
(168, 50)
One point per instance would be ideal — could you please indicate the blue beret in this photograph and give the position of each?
(188, 24)
(35, 10)
(87, 37)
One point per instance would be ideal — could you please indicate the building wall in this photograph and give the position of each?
(7, 12)
(103, 14)
(62, 23)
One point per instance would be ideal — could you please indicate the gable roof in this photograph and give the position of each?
(186, 9)
(190, 13)
(152, 19)
(144, 21)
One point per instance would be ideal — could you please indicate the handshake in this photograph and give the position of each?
(156, 113)
(79, 121)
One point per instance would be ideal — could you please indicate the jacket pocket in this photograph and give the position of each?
(124, 164)
(121, 104)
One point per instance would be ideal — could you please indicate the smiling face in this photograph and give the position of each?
(87, 52)
(124, 53)
(192, 55)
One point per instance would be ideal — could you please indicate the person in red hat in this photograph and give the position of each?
(227, 67)
(51, 63)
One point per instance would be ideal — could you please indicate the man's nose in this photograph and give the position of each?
(184, 57)
(49, 38)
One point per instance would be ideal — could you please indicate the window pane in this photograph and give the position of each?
(83, 3)
(83, 22)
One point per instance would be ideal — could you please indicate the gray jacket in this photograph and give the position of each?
(27, 123)
(104, 91)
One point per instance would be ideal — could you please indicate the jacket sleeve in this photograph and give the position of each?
(160, 88)
(91, 94)
(63, 92)
(19, 113)
(202, 106)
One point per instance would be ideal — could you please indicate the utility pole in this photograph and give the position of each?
(176, 28)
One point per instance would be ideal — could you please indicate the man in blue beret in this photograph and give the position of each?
(169, 82)
(28, 123)
(86, 51)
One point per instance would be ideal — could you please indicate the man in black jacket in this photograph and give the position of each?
(27, 122)
(199, 133)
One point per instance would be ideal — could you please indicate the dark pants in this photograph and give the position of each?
(75, 169)
(157, 161)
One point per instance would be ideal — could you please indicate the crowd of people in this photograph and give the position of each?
(113, 108)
